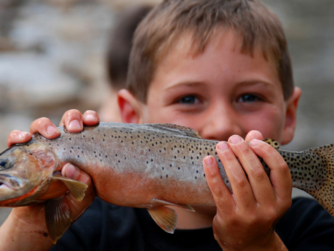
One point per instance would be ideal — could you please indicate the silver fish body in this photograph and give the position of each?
(152, 166)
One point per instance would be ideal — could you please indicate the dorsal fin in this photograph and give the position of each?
(183, 130)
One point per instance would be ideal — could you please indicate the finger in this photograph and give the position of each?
(90, 118)
(253, 135)
(18, 137)
(280, 175)
(240, 186)
(221, 195)
(72, 120)
(258, 178)
(45, 127)
(78, 207)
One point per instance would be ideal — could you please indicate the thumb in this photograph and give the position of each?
(78, 207)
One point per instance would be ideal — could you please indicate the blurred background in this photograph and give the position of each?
(52, 58)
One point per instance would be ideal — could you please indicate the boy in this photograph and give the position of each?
(222, 68)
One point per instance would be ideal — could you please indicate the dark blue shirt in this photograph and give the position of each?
(305, 226)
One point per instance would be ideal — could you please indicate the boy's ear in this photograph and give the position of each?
(291, 116)
(130, 107)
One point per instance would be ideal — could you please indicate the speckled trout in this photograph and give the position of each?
(151, 166)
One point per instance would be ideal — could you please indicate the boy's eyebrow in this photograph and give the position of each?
(200, 83)
(185, 83)
(256, 82)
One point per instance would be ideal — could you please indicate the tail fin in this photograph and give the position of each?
(317, 170)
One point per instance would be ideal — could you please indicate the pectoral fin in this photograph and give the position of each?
(58, 217)
(165, 217)
(77, 188)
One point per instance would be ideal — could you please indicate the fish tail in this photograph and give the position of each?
(315, 174)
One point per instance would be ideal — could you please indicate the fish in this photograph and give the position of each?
(152, 166)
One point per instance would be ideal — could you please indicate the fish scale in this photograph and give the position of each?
(150, 166)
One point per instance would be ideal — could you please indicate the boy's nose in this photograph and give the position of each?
(220, 126)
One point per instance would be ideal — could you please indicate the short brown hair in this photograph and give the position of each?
(161, 28)
(120, 44)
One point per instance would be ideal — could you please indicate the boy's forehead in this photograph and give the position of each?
(222, 38)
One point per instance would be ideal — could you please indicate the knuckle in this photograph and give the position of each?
(73, 113)
(42, 121)
(259, 174)
(251, 219)
(282, 166)
(271, 214)
(70, 114)
(14, 133)
(242, 182)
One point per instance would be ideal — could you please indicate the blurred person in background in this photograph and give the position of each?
(117, 60)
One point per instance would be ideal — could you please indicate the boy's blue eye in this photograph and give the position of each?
(188, 99)
(248, 98)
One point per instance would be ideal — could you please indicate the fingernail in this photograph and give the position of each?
(209, 164)
(208, 161)
(22, 135)
(74, 124)
(51, 130)
(70, 171)
(222, 146)
(235, 139)
(254, 142)
(90, 117)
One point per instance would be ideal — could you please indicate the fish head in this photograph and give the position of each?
(25, 172)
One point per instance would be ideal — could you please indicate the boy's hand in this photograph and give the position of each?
(25, 228)
(245, 220)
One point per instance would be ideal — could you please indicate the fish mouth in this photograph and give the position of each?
(8, 181)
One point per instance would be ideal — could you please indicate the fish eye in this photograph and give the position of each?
(4, 164)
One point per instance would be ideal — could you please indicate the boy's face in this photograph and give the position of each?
(219, 92)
